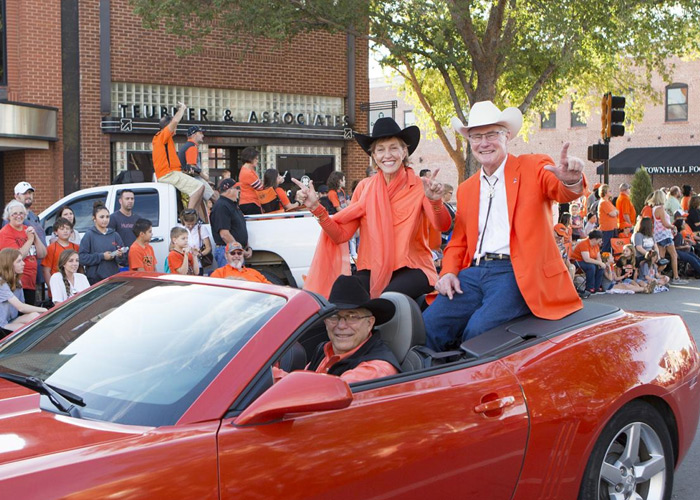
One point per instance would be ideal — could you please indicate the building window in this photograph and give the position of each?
(576, 118)
(3, 45)
(677, 102)
(409, 118)
(548, 120)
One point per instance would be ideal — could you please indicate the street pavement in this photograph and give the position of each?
(685, 301)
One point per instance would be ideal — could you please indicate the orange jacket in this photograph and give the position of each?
(539, 269)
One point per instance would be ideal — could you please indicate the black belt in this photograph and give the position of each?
(491, 256)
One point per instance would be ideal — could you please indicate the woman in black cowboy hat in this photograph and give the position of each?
(393, 211)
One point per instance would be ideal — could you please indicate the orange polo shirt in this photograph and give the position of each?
(624, 206)
(585, 246)
(245, 274)
(606, 222)
(165, 158)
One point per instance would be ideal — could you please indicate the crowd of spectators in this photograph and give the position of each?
(609, 248)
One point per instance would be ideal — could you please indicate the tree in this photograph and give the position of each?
(641, 188)
(453, 53)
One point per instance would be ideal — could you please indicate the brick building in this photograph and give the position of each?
(78, 106)
(666, 141)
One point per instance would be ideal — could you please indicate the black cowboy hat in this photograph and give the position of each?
(387, 127)
(348, 293)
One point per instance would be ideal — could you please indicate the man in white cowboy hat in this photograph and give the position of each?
(502, 261)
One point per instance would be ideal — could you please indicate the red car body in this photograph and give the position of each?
(518, 425)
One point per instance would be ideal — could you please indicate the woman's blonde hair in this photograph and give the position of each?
(8, 256)
(657, 198)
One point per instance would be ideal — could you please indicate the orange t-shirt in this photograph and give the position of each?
(647, 212)
(606, 222)
(175, 260)
(250, 185)
(165, 158)
(143, 257)
(624, 206)
(53, 252)
(246, 274)
(284, 199)
(685, 203)
(585, 246)
(11, 238)
(191, 155)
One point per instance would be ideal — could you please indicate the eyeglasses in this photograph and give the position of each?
(18, 214)
(236, 252)
(350, 319)
(490, 136)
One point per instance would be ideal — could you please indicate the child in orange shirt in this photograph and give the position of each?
(180, 259)
(141, 254)
(63, 229)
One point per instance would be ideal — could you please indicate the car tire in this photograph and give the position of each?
(633, 454)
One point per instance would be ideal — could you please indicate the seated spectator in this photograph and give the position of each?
(626, 268)
(272, 198)
(591, 224)
(180, 258)
(141, 254)
(324, 200)
(649, 271)
(576, 222)
(625, 232)
(564, 231)
(62, 230)
(198, 238)
(100, 247)
(235, 268)
(336, 190)
(67, 281)
(11, 296)
(643, 238)
(684, 248)
(67, 213)
(354, 352)
(586, 256)
(614, 282)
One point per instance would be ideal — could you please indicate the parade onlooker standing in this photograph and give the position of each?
(191, 160)
(25, 239)
(227, 221)
(607, 217)
(576, 222)
(11, 294)
(687, 192)
(180, 258)
(198, 237)
(166, 163)
(336, 190)
(625, 209)
(67, 281)
(673, 201)
(122, 221)
(250, 182)
(141, 254)
(67, 213)
(24, 193)
(664, 232)
(100, 247)
(62, 229)
(586, 256)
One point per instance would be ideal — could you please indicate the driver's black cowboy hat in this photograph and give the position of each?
(348, 293)
(386, 127)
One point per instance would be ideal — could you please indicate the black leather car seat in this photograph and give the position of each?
(405, 329)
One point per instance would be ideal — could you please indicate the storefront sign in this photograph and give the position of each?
(127, 111)
(679, 169)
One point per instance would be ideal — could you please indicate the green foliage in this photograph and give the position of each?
(526, 53)
(641, 188)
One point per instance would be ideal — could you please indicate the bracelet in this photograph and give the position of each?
(575, 183)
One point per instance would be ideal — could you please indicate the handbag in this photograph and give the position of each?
(208, 259)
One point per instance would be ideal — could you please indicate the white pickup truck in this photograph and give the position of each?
(283, 244)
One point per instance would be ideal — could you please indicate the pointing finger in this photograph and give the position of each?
(564, 160)
(434, 174)
(298, 183)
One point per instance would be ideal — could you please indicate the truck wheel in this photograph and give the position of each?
(633, 458)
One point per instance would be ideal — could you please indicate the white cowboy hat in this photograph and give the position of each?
(486, 113)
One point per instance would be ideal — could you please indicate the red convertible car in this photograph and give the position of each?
(161, 387)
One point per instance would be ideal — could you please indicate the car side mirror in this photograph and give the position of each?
(298, 392)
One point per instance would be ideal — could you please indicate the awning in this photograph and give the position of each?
(668, 160)
(27, 126)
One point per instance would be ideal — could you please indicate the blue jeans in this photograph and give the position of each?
(490, 298)
(607, 236)
(691, 258)
(219, 257)
(594, 274)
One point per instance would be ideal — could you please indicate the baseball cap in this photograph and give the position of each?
(23, 187)
(322, 189)
(233, 246)
(226, 184)
(193, 130)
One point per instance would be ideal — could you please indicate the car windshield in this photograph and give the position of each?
(138, 351)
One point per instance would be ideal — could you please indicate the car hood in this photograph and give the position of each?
(27, 431)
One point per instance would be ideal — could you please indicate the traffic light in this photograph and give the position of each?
(612, 116)
(598, 152)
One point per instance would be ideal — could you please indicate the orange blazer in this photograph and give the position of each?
(539, 269)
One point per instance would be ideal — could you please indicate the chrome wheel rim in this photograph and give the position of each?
(634, 466)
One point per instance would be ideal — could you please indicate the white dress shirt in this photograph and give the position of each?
(497, 236)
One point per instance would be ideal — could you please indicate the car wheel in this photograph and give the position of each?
(632, 459)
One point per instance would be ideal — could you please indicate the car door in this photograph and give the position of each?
(457, 434)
